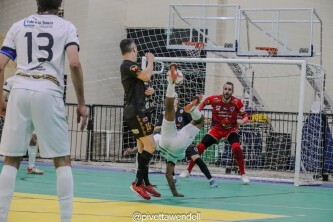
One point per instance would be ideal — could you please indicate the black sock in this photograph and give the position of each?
(203, 167)
(144, 168)
(138, 157)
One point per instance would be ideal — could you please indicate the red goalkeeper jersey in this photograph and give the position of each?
(224, 115)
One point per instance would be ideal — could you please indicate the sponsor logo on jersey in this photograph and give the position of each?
(135, 131)
(180, 119)
(232, 108)
(134, 68)
(216, 100)
(196, 149)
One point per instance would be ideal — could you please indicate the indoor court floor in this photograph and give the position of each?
(103, 194)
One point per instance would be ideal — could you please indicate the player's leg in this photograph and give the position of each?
(206, 142)
(192, 153)
(7, 184)
(233, 139)
(32, 152)
(142, 131)
(49, 119)
(18, 123)
(65, 186)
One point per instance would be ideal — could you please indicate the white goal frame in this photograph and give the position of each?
(301, 63)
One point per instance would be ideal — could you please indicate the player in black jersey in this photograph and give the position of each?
(137, 117)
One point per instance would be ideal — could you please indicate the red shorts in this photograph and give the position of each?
(218, 134)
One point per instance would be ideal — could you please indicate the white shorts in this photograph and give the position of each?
(29, 110)
(176, 142)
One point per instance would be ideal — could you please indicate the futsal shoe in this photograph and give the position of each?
(34, 170)
(245, 179)
(140, 190)
(195, 101)
(184, 174)
(174, 76)
(150, 189)
(213, 183)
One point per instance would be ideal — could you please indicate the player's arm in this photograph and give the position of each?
(204, 103)
(130, 151)
(242, 113)
(145, 74)
(169, 170)
(4, 59)
(149, 91)
(77, 79)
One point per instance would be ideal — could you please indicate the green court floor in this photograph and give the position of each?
(103, 194)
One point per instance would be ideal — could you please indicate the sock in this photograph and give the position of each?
(196, 114)
(146, 156)
(32, 151)
(143, 165)
(203, 167)
(236, 149)
(138, 157)
(7, 187)
(170, 91)
(201, 149)
(65, 189)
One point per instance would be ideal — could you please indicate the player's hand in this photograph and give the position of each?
(178, 195)
(3, 106)
(82, 115)
(150, 57)
(240, 122)
(149, 91)
(128, 151)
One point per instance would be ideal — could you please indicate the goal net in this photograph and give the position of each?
(283, 141)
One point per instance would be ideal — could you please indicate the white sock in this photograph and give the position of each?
(195, 114)
(7, 187)
(32, 152)
(170, 91)
(65, 189)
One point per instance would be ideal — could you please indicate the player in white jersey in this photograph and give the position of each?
(39, 43)
(32, 146)
(175, 145)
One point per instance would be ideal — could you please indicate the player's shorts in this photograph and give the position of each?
(173, 143)
(218, 134)
(29, 110)
(140, 125)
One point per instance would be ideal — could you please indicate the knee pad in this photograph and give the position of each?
(235, 147)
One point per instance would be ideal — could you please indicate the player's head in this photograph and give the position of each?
(175, 65)
(228, 90)
(128, 46)
(50, 6)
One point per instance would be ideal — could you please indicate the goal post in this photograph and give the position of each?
(274, 151)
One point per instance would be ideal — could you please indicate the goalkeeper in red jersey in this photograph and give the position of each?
(225, 121)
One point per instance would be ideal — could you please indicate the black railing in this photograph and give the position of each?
(268, 141)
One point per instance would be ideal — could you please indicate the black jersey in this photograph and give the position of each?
(134, 88)
(182, 119)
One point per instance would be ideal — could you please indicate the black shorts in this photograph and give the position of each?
(140, 125)
(190, 151)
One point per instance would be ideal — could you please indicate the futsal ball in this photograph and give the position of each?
(175, 74)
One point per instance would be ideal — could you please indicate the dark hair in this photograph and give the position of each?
(230, 83)
(126, 45)
(51, 6)
(174, 65)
